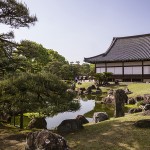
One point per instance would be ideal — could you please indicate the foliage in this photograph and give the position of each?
(99, 77)
(15, 14)
(103, 77)
(33, 92)
(57, 65)
(55, 56)
(33, 56)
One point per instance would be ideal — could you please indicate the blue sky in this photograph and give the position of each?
(83, 28)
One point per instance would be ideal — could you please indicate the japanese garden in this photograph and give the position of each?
(49, 103)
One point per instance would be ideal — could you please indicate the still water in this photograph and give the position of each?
(86, 106)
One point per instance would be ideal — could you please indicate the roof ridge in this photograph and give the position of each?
(94, 56)
(140, 35)
(111, 45)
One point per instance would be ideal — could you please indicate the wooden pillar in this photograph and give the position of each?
(105, 67)
(95, 67)
(123, 70)
(142, 72)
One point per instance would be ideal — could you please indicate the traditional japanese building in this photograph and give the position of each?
(128, 58)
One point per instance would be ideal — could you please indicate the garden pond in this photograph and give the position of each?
(88, 106)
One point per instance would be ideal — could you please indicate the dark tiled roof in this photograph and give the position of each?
(129, 48)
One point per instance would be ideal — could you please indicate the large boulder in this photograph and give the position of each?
(69, 125)
(145, 123)
(120, 99)
(39, 123)
(82, 119)
(45, 140)
(100, 116)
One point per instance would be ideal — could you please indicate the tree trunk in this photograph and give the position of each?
(14, 119)
(21, 120)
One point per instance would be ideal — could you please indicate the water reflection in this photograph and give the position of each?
(86, 106)
(109, 108)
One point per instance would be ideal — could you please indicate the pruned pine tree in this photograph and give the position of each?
(40, 92)
(16, 15)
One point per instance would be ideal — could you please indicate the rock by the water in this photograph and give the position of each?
(145, 123)
(134, 110)
(39, 123)
(146, 107)
(120, 99)
(69, 125)
(100, 116)
(45, 140)
(82, 119)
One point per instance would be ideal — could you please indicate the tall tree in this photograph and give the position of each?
(35, 54)
(15, 14)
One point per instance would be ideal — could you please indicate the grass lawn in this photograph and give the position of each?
(136, 88)
(139, 89)
(113, 134)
